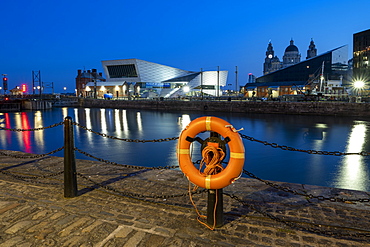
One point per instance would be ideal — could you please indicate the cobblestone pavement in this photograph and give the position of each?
(34, 212)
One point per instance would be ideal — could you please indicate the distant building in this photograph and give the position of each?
(291, 56)
(134, 77)
(312, 51)
(83, 77)
(361, 56)
(251, 78)
(325, 74)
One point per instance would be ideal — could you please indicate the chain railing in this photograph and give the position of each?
(315, 228)
(30, 156)
(34, 129)
(287, 148)
(138, 195)
(22, 177)
(123, 165)
(308, 196)
(124, 139)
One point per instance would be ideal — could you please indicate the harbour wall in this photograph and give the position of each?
(36, 104)
(274, 107)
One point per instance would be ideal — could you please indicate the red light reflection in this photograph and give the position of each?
(26, 135)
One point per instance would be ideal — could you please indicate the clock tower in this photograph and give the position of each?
(272, 62)
(312, 51)
(270, 51)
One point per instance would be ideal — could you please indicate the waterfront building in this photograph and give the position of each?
(83, 77)
(361, 56)
(320, 74)
(135, 77)
(291, 56)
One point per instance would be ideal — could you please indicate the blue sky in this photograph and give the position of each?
(60, 37)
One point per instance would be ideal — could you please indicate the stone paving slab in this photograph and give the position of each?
(34, 212)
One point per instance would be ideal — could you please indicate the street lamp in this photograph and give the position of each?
(359, 84)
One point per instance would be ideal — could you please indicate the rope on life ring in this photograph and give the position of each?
(214, 177)
(211, 158)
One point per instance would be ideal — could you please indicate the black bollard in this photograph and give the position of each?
(215, 213)
(70, 179)
(215, 205)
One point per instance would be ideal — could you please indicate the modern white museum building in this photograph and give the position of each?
(135, 77)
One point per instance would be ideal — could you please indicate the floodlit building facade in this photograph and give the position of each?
(361, 56)
(139, 78)
(324, 74)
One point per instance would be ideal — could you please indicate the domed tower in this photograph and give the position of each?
(312, 51)
(291, 55)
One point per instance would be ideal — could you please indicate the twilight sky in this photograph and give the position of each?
(60, 37)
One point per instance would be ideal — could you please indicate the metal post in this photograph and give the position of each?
(95, 96)
(236, 81)
(215, 205)
(218, 82)
(70, 179)
(201, 82)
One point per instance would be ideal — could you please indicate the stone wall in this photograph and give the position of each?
(306, 108)
(36, 104)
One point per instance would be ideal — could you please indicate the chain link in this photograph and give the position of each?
(34, 129)
(287, 148)
(30, 176)
(125, 139)
(297, 226)
(309, 196)
(137, 195)
(28, 156)
(127, 166)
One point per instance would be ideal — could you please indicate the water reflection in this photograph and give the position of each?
(124, 121)
(65, 112)
(139, 123)
(117, 122)
(184, 120)
(103, 121)
(22, 139)
(353, 172)
(303, 132)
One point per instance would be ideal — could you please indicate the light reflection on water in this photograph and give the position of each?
(304, 132)
(353, 172)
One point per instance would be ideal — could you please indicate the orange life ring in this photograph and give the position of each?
(236, 158)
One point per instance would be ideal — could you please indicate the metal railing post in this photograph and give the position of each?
(70, 178)
(215, 203)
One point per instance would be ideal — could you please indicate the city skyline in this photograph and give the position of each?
(58, 38)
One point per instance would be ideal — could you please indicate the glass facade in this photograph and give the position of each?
(361, 56)
(122, 71)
